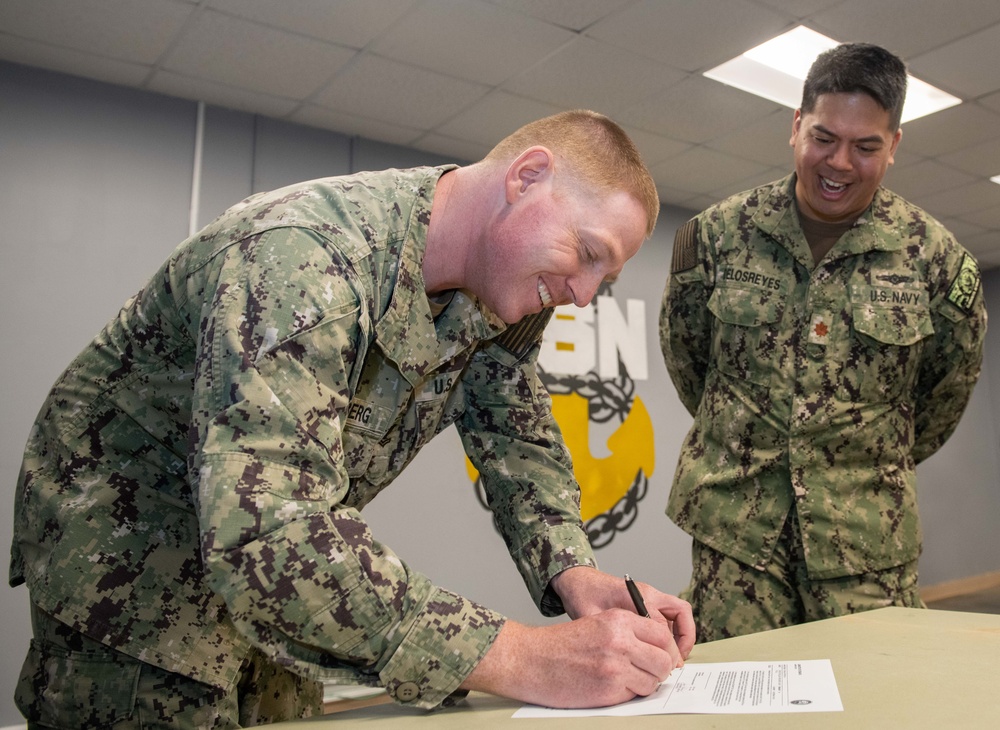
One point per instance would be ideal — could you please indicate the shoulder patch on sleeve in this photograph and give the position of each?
(522, 336)
(685, 254)
(965, 286)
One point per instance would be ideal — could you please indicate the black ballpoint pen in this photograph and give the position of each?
(633, 591)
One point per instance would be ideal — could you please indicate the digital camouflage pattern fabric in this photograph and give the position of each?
(192, 487)
(730, 598)
(816, 388)
(71, 681)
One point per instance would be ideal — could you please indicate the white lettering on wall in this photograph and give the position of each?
(573, 346)
(621, 336)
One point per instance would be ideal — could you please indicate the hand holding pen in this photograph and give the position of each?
(605, 655)
(640, 608)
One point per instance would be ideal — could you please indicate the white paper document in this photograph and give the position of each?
(727, 688)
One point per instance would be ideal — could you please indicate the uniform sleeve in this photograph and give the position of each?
(685, 320)
(301, 574)
(512, 438)
(951, 363)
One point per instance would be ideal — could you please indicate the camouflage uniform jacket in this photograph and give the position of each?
(816, 387)
(193, 482)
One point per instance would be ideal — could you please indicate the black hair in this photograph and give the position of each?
(858, 67)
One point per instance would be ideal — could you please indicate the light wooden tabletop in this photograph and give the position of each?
(895, 668)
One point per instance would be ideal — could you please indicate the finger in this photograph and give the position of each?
(650, 666)
(656, 652)
(681, 655)
(685, 632)
(676, 658)
(642, 684)
(681, 618)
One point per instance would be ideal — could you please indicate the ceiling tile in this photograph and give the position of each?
(988, 260)
(984, 247)
(702, 202)
(117, 29)
(655, 147)
(757, 179)
(70, 61)
(764, 141)
(494, 117)
(703, 170)
(905, 156)
(591, 75)
(353, 23)
(982, 159)
(906, 27)
(471, 39)
(677, 198)
(967, 67)
(924, 178)
(166, 82)
(421, 98)
(961, 230)
(692, 36)
(353, 125)
(800, 8)
(697, 110)
(224, 49)
(671, 196)
(952, 129)
(571, 14)
(963, 199)
(987, 218)
(991, 101)
(456, 149)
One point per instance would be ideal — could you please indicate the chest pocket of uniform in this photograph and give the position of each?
(888, 331)
(745, 332)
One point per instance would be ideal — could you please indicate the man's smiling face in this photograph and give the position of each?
(843, 148)
(556, 247)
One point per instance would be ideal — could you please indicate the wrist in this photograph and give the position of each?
(571, 587)
(495, 669)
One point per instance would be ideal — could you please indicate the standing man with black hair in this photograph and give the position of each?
(826, 336)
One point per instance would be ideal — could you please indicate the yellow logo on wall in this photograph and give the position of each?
(590, 380)
(605, 481)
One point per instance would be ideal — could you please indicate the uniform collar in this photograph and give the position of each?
(407, 333)
(777, 216)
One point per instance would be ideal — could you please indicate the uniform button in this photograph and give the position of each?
(407, 692)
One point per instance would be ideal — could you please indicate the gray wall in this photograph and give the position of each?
(95, 186)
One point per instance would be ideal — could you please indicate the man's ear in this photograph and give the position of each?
(534, 165)
(894, 145)
(796, 122)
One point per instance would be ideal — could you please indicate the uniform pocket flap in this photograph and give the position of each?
(750, 307)
(893, 325)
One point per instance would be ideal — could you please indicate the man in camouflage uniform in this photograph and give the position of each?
(826, 336)
(188, 513)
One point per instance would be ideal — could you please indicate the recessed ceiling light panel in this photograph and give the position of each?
(776, 69)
